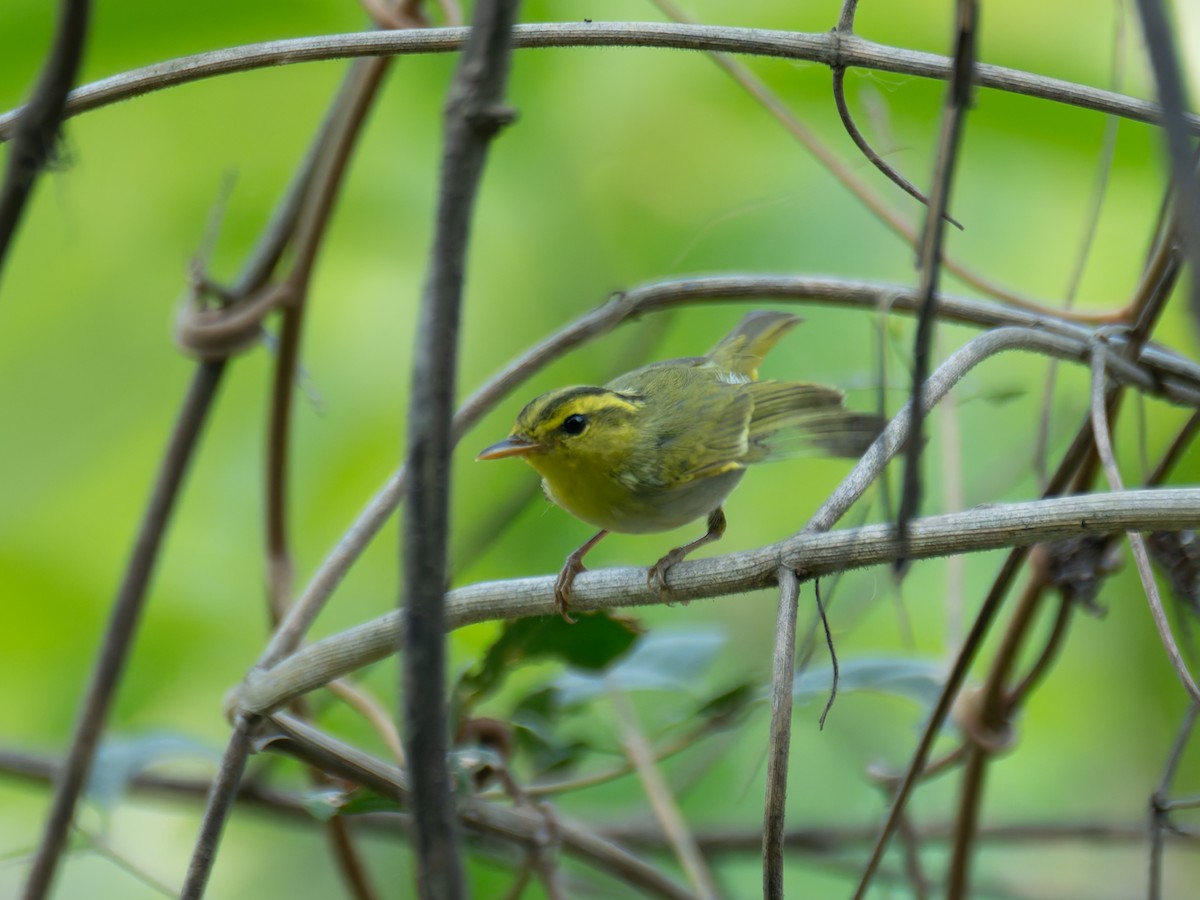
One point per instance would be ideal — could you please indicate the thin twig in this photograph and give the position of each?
(780, 740)
(1108, 147)
(666, 810)
(473, 118)
(371, 710)
(845, 26)
(122, 624)
(105, 848)
(1164, 62)
(1158, 801)
(958, 98)
(833, 660)
(221, 796)
(912, 859)
(986, 725)
(34, 132)
(833, 163)
(357, 95)
(525, 825)
(1137, 543)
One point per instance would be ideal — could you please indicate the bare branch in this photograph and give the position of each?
(666, 810)
(1136, 542)
(958, 98)
(523, 825)
(1164, 60)
(780, 740)
(811, 555)
(473, 118)
(822, 48)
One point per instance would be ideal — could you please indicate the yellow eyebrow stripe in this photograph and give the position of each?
(592, 403)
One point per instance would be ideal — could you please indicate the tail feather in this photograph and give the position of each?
(743, 349)
(790, 419)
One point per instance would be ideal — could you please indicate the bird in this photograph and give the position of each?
(665, 444)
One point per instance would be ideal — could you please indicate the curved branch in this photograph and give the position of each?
(825, 48)
(985, 528)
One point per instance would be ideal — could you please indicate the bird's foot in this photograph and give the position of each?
(656, 578)
(562, 587)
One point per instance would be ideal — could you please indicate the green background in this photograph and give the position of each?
(625, 165)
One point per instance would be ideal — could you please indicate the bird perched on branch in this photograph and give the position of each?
(665, 444)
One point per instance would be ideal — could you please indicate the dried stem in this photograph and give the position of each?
(473, 118)
(1164, 61)
(845, 26)
(1159, 826)
(666, 810)
(324, 162)
(958, 98)
(522, 825)
(1137, 543)
(221, 797)
(780, 740)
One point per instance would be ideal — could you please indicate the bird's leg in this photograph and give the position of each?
(658, 571)
(572, 567)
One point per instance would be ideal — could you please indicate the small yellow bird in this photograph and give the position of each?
(665, 444)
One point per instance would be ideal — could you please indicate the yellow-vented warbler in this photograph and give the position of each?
(665, 444)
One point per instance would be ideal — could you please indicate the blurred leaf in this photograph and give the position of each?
(325, 803)
(593, 642)
(472, 768)
(1000, 394)
(918, 680)
(730, 707)
(532, 721)
(119, 760)
(663, 661)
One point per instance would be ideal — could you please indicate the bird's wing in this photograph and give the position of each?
(791, 418)
(706, 433)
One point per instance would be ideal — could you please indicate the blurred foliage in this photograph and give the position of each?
(625, 165)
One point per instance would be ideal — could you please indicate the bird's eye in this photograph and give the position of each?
(574, 425)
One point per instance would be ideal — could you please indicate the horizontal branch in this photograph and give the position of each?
(811, 555)
(527, 825)
(828, 48)
(290, 806)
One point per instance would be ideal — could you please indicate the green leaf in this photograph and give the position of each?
(729, 708)
(916, 679)
(592, 643)
(663, 661)
(324, 804)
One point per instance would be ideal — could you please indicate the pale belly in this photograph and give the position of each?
(647, 509)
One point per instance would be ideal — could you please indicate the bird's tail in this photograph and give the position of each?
(743, 349)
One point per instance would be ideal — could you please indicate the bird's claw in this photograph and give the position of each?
(562, 588)
(656, 578)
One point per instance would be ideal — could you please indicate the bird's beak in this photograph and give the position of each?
(513, 445)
